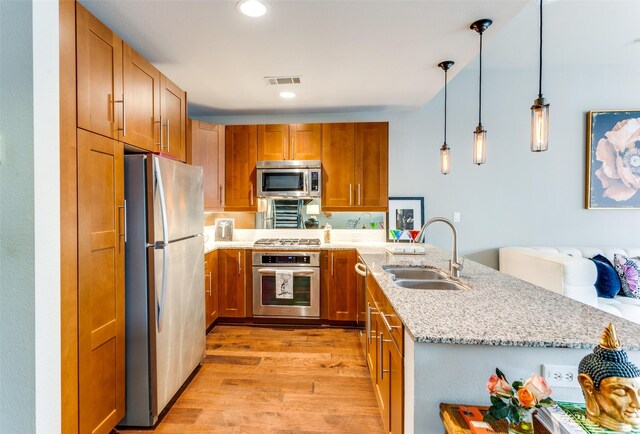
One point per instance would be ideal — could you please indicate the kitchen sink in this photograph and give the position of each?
(416, 274)
(429, 284)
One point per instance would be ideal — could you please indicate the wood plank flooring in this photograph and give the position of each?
(277, 380)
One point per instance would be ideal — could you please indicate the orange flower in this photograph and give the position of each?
(526, 398)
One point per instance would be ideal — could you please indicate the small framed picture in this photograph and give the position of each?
(613, 159)
(405, 214)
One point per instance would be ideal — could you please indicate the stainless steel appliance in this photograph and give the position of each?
(309, 242)
(164, 282)
(305, 269)
(289, 179)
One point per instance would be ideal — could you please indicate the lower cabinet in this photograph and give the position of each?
(232, 283)
(385, 346)
(211, 288)
(339, 285)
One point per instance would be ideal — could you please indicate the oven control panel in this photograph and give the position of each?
(268, 259)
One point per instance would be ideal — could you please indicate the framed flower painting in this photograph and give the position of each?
(613, 159)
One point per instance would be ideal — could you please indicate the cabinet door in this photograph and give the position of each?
(240, 167)
(205, 147)
(342, 289)
(173, 109)
(99, 74)
(231, 294)
(396, 391)
(273, 142)
(101, 334)
(371, 166)
(211, 287)
(338, 149)
(305, 142)
(381, 386)
(141, 127)
(372, 337)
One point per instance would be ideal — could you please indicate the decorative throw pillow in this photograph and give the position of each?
(629, 272)
(608, 282)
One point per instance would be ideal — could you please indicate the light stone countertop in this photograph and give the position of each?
(210, 246)
(498, 309)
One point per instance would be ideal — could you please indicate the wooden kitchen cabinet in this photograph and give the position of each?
(141, 102)
(289, 142)
(211, 287)
(101, 298)
(385, 356)
(232, 272)
(205, 147)
(355, 161)
(240, 167)
(173, 119)
(341, 285)
(99, 75)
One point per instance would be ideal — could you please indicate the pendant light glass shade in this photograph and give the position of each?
(540, 110)
(445, 160)
(445, 157)
(480, 134)
(539, 126)
(479, 145)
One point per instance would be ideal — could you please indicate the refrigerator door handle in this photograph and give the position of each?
(162, 244)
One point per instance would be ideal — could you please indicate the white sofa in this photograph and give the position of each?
(568, 271)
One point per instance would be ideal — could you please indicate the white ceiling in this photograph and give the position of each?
(352, 55)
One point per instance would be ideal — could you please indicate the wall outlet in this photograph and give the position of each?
(561, 376)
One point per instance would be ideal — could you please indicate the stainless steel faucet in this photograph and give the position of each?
(454, 264)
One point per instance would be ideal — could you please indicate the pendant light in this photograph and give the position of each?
(445, 158)
(540, 110)
(480, 134)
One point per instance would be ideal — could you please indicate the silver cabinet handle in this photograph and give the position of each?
(359, 196)
(169, 136)
(350, 195)
(370, 313)
(160, 144)
(124, 117)
(381, 355)
(361, 269)
(293, 149)
(239, 263)
(251, 193)
(284, 149)
(221, 194)
(389, 327)
(209, 291)
(332, 266)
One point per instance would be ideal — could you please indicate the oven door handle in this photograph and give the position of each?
(272, 272)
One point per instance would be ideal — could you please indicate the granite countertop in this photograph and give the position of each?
(210, 246)
(498, 309)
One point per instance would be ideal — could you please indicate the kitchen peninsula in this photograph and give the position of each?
(454, 339)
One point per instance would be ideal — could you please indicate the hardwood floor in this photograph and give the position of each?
(278, 380)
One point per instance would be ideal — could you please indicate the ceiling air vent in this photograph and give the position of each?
(274, 81)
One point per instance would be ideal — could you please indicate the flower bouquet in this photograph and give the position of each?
(517, 402)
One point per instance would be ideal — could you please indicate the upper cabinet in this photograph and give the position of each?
(173, 120)
(289, 142)
(355, 161)
(122, 96)
(240, 167)
(99, 75)
(205, 147)
(140, 102)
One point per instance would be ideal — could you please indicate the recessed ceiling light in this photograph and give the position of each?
(251, 8)
(287, 95)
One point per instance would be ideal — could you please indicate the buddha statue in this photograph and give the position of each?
(611, 385)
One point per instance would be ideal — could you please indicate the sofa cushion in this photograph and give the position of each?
(607, 283)
(628, 271)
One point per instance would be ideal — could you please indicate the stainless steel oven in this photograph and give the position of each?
(305, 268)
(289, 179)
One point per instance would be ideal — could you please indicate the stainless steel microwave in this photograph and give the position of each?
(289, 179)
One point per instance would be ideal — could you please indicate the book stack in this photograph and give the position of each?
(570, 418)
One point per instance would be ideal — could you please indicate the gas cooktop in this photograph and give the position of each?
(314, 242)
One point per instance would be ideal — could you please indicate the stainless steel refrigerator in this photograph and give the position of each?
(164, 282)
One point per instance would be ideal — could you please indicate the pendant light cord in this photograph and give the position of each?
(480, 86)
(445, 106)
(540, 74)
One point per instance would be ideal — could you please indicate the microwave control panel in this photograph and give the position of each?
(315, 181)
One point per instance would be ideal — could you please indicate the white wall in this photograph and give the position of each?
(517, 197)
(29, 218)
